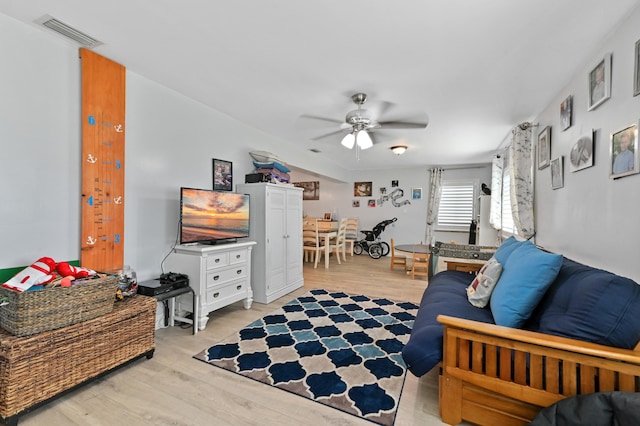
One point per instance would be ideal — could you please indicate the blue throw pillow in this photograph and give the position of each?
(506, 248)
(525, 278)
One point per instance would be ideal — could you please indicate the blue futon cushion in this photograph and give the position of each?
(445, 295)
(579, 305)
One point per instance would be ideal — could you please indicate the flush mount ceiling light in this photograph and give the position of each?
(398, 149)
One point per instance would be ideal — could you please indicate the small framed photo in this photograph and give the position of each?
(372, 203)
(327, 216)
(557, 173)
(222, 175)
(544, 148)
(355, 203)
(362, 189)
(636, 73)
(623, 151)
(566, 113)
(600, 82)
(581, 155)
(416, 193)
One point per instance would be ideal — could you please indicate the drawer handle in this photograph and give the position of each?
(239, 287)
(239, 271)
(238, 256)
(215, 295)
(217, 260)
(216, 278)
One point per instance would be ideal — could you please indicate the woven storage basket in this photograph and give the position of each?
(32, 312)
(36, 368)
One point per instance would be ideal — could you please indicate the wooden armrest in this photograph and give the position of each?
(546, 340)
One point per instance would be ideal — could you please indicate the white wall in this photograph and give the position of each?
(411, 224)
(594, 219)
(40, 136)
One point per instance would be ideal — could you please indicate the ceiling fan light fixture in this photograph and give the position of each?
(348, 140)
(363, 140)
(399, 149)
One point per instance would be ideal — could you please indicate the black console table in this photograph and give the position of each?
(169, 301)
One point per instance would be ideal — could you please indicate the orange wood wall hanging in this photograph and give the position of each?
(103, 130)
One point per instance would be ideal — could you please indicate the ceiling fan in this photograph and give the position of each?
(359, 124)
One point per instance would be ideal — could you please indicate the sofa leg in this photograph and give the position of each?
(450, 400)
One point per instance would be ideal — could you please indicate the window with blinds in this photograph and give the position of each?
(456, 206)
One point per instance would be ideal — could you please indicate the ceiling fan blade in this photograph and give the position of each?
(326, 135)
(402, 125)
(316, 117)
(380, 108)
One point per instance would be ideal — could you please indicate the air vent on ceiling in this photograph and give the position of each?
(68, 31)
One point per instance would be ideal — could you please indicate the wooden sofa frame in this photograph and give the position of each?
(498, 375)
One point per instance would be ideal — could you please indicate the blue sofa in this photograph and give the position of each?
(533, 366)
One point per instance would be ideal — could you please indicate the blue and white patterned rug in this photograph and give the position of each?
(337, 349)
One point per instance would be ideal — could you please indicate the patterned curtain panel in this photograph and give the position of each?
(435, 191)
(521, 168)
(495, 211)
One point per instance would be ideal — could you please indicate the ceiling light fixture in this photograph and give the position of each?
(358, 137)
(399, 149)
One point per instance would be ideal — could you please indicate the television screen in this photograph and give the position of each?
(210, 216)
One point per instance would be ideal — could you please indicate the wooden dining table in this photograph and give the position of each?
(326, 231)
(413, 248)
(327, 237)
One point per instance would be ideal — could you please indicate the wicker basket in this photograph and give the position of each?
(34, 369)
(33, 312)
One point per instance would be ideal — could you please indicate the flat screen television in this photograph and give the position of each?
(211, 217)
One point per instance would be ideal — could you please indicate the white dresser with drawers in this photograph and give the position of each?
(218, 274)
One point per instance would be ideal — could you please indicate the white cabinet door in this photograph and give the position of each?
(294, 237)
(276, 206)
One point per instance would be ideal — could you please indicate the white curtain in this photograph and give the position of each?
(521, 177)
(435, 191)
(495, 212)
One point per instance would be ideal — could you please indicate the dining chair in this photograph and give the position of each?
(420, 265)
(311, 242)
(397, 260)
(352, 233)
(339, 245)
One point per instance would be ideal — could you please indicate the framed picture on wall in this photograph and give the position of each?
(416, 193)
(557, 173)
(566, 113)
(222, 175)
(544, 148)
(311, 190)
(362, 189)
(623, 152)
(599, 79)
(636, 73)
(581, 155)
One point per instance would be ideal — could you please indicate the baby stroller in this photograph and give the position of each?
(371, 242)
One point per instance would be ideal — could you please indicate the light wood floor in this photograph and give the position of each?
(174, 389)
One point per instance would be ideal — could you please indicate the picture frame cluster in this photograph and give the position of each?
(623, 145)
